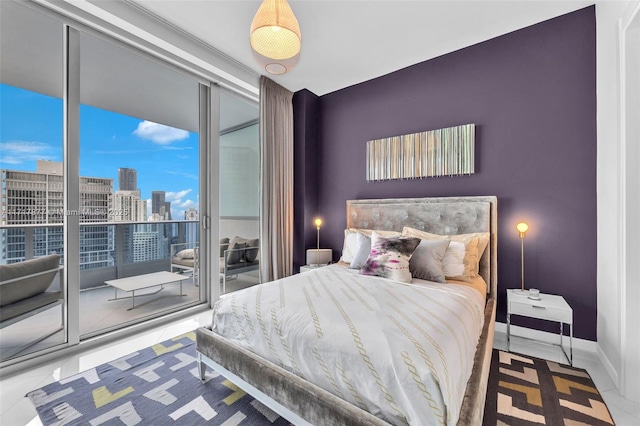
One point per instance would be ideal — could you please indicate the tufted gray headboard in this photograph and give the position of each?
(440, 215)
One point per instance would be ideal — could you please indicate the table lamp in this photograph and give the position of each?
(318, 223)
(522, 228)
(318, 256)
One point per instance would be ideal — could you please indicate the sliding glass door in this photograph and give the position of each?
(139, 187)
(32, 293)
(239, 192)
(119, 173)
(101, 156)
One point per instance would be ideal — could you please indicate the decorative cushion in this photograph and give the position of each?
(389, 257)
(470, 259)
(183, 261)
(350, 246)
(224, 244)
(236, 256)
(186, 254)
(251, 254)
(23, 289)
(364, 247)
(426, 262)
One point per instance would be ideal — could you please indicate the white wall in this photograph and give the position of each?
(611, 201)
(239, 172)
(630, 295)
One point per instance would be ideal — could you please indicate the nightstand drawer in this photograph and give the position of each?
(536, 309)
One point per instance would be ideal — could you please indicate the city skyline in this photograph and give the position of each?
(165, 158)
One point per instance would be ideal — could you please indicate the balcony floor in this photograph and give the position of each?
(98, 313)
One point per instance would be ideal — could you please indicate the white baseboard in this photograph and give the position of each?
(545, 336)
(608, 366)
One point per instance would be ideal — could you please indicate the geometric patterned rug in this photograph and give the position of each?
(159, 385)
(524, 390)
(155, 386)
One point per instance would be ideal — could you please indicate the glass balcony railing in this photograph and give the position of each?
(108, 250)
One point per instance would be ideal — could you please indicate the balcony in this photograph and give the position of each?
(108, 251)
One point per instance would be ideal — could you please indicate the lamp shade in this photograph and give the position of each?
(275, 37)
(522, 227)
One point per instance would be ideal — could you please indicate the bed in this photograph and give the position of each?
(325, 400)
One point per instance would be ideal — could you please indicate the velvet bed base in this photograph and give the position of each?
(302, 402)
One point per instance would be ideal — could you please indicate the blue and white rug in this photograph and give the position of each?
(155, 386)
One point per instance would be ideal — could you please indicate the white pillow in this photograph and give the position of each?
(364, 247)
(186, 254)
(350, 246)
(453, 260)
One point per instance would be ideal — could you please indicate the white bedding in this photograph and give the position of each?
(403, 352)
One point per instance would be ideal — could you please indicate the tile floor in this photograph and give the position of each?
(17, 410)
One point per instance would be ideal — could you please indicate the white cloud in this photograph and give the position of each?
(176, 197)
(18, 152)
(159, 133)
(178, 205)
(186, 204)
(187, 175)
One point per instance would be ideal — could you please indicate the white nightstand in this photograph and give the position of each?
(549, 307)
(306, 268)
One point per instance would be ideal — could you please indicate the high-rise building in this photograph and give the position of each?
(191, 214)
(192, 227)
(167, 210)
(157, 202)
(37, 198)
(127, 179)
(147, 246)
(128, 207)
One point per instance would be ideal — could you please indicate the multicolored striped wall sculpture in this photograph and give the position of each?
(443, 152)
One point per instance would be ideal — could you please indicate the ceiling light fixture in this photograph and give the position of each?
(275, 37)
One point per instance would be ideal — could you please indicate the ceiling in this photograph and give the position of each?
(112, 78)
(348, 42)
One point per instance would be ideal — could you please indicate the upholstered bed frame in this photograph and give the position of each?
(302, 402)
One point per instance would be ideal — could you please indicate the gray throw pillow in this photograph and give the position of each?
(224, 244)
(251, 254)
(235, 256)
(426, 262)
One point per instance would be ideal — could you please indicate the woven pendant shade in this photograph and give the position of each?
(275, 37)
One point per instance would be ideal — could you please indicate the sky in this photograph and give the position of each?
(165, 158)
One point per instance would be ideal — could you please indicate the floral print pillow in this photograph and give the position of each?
(389, 257)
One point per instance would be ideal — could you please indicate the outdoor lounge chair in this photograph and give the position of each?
(23, 293)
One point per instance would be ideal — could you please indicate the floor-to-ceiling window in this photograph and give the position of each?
(139, 186)
(31, 202)
(133, 130)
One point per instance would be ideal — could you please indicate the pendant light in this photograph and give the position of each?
(275, 37)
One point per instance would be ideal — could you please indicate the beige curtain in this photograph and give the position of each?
(276, 181)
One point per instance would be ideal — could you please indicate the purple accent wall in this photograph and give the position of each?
(532, 95)
(305, 174)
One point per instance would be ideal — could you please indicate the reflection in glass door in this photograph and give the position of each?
(239, 193)
(31, 205)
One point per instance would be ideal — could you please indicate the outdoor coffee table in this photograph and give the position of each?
(139, 282)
